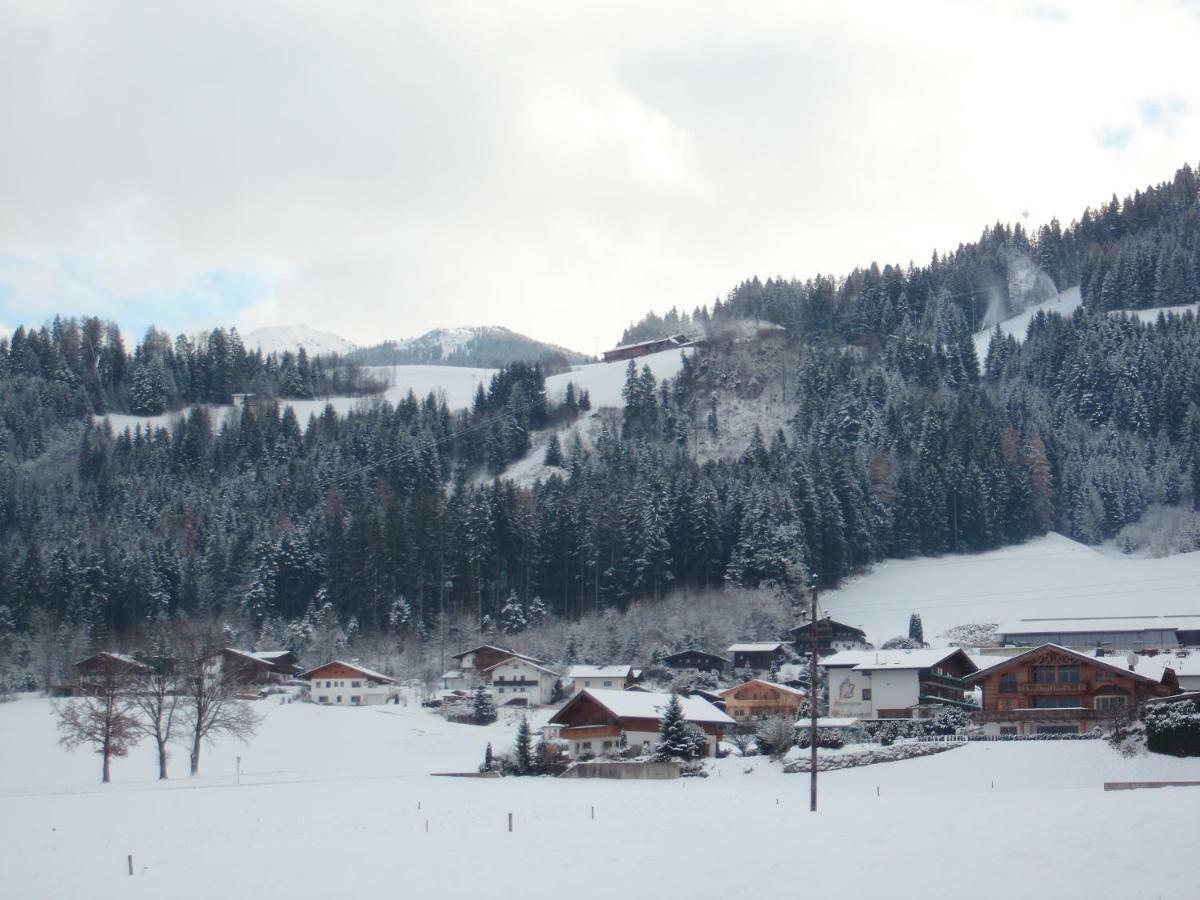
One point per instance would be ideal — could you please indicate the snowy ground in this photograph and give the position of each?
(1049, 577)
(333, 803)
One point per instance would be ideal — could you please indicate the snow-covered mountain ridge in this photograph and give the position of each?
(280, 338)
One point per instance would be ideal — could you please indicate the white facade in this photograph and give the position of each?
(519, 679)
(347, 684)
(858, 694)
(605, 678)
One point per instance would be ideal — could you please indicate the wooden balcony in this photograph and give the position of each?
(1051, 687)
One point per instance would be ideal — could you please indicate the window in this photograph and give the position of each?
(608, 745)
(586, 745)
(500, 690)
(1008, 730)
(1008, 682)
(1104, 675)
(608, 684)
(1043, 674)
(866, 693)
(1068, 674)
(356, 684)
(354, 699)
(329, 684)
(339, 698)
(1111, 702)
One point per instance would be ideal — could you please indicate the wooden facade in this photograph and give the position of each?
(757, 700)
(831, 637)
(645, 348)
(101, 670)
(759, 657)
(1052, 689)
(696, 661)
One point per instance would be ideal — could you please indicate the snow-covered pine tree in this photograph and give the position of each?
(523, 749)
(512, 615)
(916, 630)
(553, 452)
(483, 710)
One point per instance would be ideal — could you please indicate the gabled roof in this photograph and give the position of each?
(248, 656)
(521, 659)
(780, 687)
(600, 672)
(803, 626)
(1115, 663)
(646, 705)
(755, 647)
(503, 650)
(872, 660)
(365, 672)
(270, 655)
(116, 658)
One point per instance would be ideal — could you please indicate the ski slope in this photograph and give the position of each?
(340, 803)
(605, 381)
(1051, 576)
(1064, 304)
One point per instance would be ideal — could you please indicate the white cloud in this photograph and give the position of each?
(380, 169)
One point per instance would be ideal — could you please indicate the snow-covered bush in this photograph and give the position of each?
(775, 736)
(949, 719)
(1173, 728)
(901, 642)
(827, 738)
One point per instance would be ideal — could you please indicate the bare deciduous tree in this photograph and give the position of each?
(106, 718)
(210, 704)
(156, 696)
(776, 735)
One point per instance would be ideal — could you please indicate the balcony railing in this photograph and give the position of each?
(1051, 687)
(1067, 713)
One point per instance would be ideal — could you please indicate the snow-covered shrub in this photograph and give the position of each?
(1173, 728)
(978, 634)
(1162, 531)
(775, 736)
(827, 738)
(949, 719)
(901, 642)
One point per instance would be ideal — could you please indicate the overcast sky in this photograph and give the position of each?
(378, 169)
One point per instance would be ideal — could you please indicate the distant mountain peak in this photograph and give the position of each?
(278, 338)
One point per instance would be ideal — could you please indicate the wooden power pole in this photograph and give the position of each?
(813, 697)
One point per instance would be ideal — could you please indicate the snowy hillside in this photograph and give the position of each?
(604, 381)
(340, 803)
(1051, 576)
(487, 346)
(278, 338)
(1064, 304)
(1151, 315)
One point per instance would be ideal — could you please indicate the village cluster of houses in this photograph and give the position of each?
(1091, 671)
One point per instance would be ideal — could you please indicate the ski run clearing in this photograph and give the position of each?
(602, 381)
(1047, 576)
(334, 803)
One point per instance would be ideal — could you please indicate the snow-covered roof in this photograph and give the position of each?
(828, 722)
(270, 655)
(1099, 624)
(599, 671)
(650, 705)
(362, 670)
(782, 687)
(453, 673)
(1147, 668)
(1194, 696)
(503, 650)
(754, 647)
(247, 655)
(523, 660)
(870, 660)
(117, 657)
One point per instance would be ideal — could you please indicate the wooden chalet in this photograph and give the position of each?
(759, 656)
(598, 722)
(832, 637)
(1055, 690)
(645, 348)
(471, 665)
(100, 670)
(249, 668)
(696, 661)
(757, 700)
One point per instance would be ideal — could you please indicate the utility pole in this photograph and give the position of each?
(813, 697)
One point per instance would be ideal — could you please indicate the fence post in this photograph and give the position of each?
(510, 822)
(129, 859)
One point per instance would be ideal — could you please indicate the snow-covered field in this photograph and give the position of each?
(604, 381)
(334, 803)
(1048, 577)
